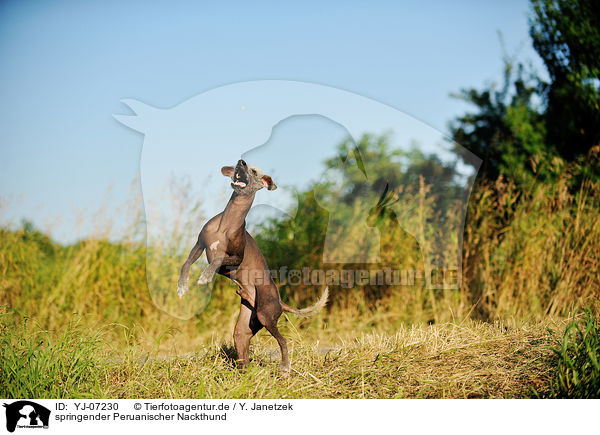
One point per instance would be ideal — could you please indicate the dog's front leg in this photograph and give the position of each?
(182, 282)
(209, 273)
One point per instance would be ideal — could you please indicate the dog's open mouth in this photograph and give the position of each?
(239, 179)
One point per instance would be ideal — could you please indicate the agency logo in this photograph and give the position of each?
(25, 414)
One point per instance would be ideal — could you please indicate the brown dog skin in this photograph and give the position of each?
(232, 252)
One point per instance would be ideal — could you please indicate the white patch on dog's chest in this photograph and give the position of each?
(213, 246)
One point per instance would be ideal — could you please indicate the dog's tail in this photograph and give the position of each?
(309, 311)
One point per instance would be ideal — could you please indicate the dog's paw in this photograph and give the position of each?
(205, 278)
(181, 289)
(285, 369)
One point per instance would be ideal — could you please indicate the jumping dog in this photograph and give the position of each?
(232, 252)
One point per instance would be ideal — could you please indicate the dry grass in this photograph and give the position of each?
(468, 360)
(473, 360)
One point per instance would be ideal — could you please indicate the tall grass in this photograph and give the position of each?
(535, 253)
(526, 254)
(578, 355)
(38, 363)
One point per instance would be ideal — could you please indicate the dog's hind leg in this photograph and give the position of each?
(269, 310)
(182, 282)
(285, 360)
(247, 325)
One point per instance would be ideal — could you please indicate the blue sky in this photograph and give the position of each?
(67, 64)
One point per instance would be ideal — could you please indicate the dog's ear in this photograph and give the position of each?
(227, 171)
(268, 182)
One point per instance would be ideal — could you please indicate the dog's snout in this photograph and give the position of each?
(241, 162)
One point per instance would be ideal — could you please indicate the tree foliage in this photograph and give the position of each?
(529, 126)
(566, 35)
(507, 131)
(373, 167)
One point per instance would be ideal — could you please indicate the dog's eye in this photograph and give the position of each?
(253, 171)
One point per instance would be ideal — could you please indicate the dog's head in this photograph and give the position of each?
(247, 179)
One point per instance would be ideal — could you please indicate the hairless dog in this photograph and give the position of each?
(232, 252)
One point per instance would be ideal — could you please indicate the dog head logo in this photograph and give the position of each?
(220, 126)
(26, 414)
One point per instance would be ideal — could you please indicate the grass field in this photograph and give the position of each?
(466, 360)
(80, 321)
